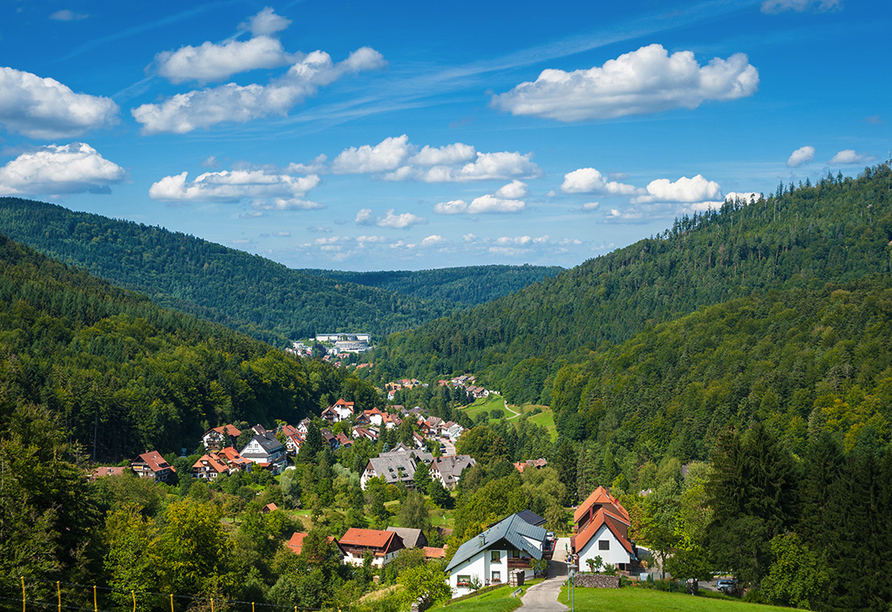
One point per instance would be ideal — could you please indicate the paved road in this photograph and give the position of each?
(543, 596)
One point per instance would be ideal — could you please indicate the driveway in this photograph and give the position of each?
(543, 596)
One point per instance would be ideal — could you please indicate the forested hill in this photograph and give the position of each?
(139, 377)
(470, 285)
(246, 292)
(835, 231)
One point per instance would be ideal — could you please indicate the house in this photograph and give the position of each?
(209, 467)
(330, 439)
(294, 442)
(343, 409)
(218, 437)
(529, 516)
(509, 545)
(452, 431)
(417, 440)
(344, 441)
(412, 538)
(383, 546)
(363, 432)
(371, 417)
(304, 425)
(448, 469)
(266, 451)
(603, 531)
(233, 459)
(390, 420)
(330, 415)
(431, 552)
(270, 507)
(153, 465)
(296, 543)
(395, 466)
(520, 466)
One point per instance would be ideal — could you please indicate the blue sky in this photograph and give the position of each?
(368, 136)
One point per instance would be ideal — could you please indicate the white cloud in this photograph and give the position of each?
(365, 217)
(265, 22)
(211, 62)
(648, 80)
(850, 157)
(469, 237)
(513, 190)
(685, 189)
(452, 207)
(591, 205)
(269, 191)
(371, 239)
(800, 156)
(57, 170)
(400, 221)
(487, 166)
(386, 155)
(493, 204)
(799, 6)
(589, 180)
(433, 240)
(448, 155)
(68, 15)
(316, 165)
(45, 108)
(239, 104)
(210, 162)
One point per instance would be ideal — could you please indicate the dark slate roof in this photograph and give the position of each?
(513, 529)
(412, 538)
(531, 517)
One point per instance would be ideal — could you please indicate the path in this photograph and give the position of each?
(543, 596)
(516, 414)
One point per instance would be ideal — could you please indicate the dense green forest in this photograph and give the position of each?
(801, 237)
(246, 292)
(129, 376)
(471, 285)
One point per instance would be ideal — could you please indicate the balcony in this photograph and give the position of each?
(518, 563)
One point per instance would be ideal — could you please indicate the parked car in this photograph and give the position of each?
(727, 585)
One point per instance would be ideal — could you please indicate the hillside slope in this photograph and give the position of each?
(470, 285)
(125, 376)
(246, 292)
(836, 231)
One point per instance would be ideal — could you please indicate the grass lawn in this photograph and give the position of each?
(497, 600)
(486, 404)
(546, 419)
(636, 599)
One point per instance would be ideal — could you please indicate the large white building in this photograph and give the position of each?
(511, 544)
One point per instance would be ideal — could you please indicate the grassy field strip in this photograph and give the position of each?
(637, 599)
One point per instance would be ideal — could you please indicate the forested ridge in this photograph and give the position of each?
(470, 285)
(801, 237)
(246, 292)
(135, 377)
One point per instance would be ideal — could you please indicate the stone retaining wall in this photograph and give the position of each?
(597, 581)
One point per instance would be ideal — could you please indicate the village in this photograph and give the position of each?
(511, 550)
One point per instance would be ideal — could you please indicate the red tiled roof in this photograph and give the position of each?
(108, 471)
(232, 430)
(296, 543)
(213, 462)
(271, 507)
(614, 524)
(434, 553)
(368, 538)
(230, 454)
(598, 496)
(341, 402)
(156, 462)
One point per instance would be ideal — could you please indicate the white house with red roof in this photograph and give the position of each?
(225, 435)
(383, 545)
(603, 531)
(153, 465)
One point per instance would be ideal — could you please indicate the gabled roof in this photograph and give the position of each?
(155, 462)
(512, 529)
(431, 552)
(412, 538)
(599, 496)
(617, 527)
(230, 454)
(296, 543)
(369, 538)
(450, 467)
(211, 461)
(345, 404)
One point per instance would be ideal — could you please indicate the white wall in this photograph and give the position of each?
(615, 554)
(482, 567)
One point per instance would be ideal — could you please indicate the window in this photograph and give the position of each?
(496, 577)
(513, 554)
(495, 556)
(603, 544)
(463, 581)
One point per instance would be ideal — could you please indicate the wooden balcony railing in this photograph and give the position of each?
(518, 563)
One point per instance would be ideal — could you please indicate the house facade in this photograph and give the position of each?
(218, 437)
(382, 545)
(448, 469)
(509, 545)
(265, 450)
(396, 466)
(602, 525)
(153, 465)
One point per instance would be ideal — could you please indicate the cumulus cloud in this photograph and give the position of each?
(386, 155)
(591, 206)
(315, 166)
(390, 219)
(68, 15)
(268, 191)
(452, 207)
(800, 156)
(799, 6)
(239, 104)
(648, 80)
(493, 204)
(686, 190)
(212, 62)
(513, 190)
(401, 161)
(265, 22)
(58, 170)
(589, 180)
(850, 157)
(45, 108)
(433, 241)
